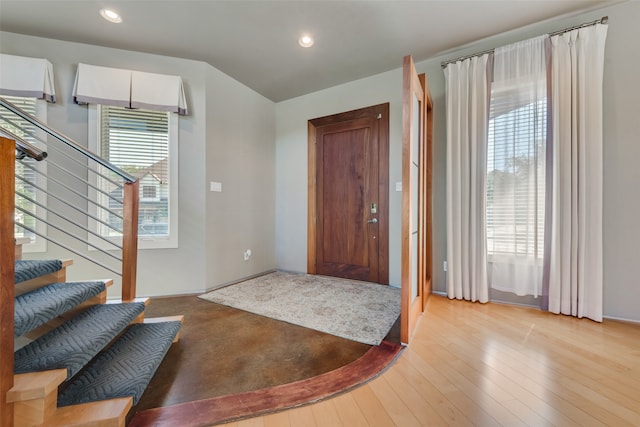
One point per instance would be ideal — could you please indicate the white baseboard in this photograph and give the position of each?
(622, 319)
(233, 282)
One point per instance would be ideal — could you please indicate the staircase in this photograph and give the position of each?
(69, 356)
(80, 359)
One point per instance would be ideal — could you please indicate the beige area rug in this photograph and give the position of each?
(358, 311)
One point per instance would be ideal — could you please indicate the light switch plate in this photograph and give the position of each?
(215, 186)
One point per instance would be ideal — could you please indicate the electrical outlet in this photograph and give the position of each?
(444, 265)
(247, 254)
(215, 186)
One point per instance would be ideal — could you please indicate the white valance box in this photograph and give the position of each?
(28, 77)
(130, 89)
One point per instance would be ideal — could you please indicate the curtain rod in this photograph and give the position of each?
(602, 20)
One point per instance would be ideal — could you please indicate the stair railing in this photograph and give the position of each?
(87, 205)
(76, 212)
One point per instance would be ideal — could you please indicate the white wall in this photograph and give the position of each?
(621, 171)
(227, 121)
(621, 174)
(241, 156)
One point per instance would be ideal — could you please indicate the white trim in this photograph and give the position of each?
(622, 319)
(515, 304)
(143, 242)
(39, 244)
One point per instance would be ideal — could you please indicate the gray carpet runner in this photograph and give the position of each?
(74, 343)
(30, 269)
(125, 368)
(133, 352)
(37, 307)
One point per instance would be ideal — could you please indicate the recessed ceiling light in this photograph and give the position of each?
(305, 41)
(111, 16)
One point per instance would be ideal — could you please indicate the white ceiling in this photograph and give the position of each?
(255, 41)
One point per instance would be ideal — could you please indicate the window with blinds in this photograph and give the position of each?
(515, 190)
(138, 142)
(26, 177)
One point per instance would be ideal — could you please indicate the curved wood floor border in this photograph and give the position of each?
(237, 406)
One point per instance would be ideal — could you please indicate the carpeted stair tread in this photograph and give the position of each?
(37, 307)
(30, 269)
(74, 343)
(125, 368)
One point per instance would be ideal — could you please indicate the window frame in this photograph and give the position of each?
(144, 242)
(38, 244)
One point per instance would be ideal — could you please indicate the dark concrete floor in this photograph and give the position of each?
(226, 351)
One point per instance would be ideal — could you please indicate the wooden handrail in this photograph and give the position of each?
(130, 240)
(7, 280)
(24, 147)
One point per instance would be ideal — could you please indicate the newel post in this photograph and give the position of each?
(7, 280)
(130, 240)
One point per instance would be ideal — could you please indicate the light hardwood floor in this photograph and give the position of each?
(487, 365)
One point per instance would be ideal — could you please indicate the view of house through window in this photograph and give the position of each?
(137, 141)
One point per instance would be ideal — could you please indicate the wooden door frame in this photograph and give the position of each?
(426, 203)
(380, 112)
(416, 85)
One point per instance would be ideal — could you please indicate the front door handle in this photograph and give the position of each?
(373, 221)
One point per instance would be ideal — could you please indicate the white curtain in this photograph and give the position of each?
(516, 167)
(467, 114)
(575, 253)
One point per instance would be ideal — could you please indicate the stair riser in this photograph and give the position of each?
(38, 282)
(35, 412)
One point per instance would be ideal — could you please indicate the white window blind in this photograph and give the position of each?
(516, 176)
(26, 210)
(138, 142)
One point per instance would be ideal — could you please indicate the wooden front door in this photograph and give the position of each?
(348, 197)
